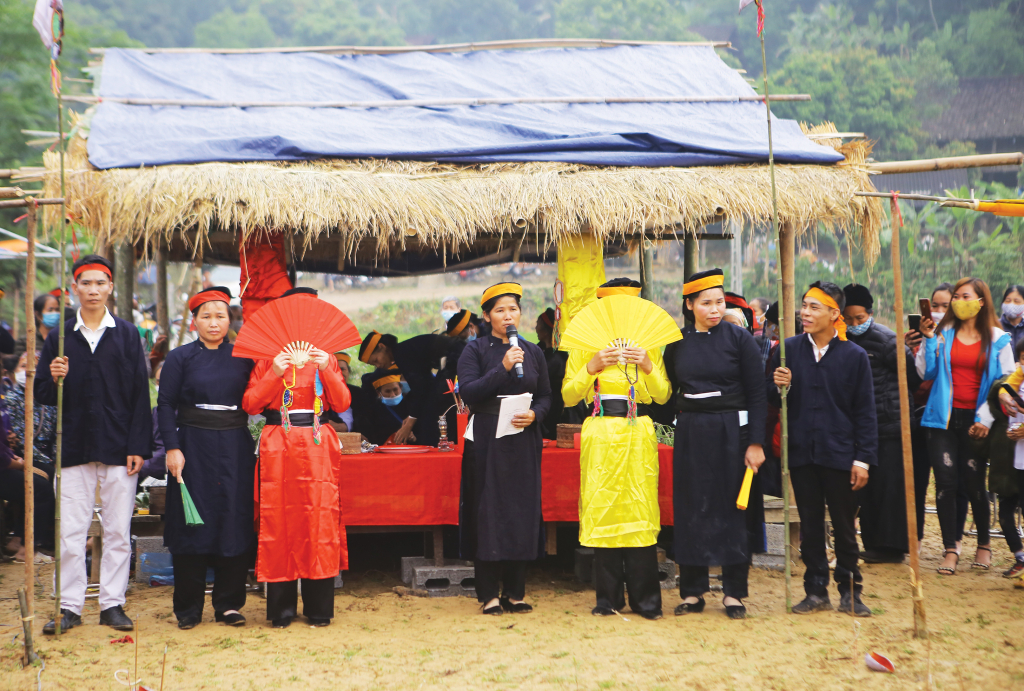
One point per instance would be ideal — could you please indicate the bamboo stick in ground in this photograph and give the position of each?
(26, 625)
(59, 439)
(29, 540)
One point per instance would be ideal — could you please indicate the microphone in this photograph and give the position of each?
(513, 340)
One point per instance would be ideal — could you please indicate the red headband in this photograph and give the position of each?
(206, 296)
(738, 302)
(91, 267)
(546, 318)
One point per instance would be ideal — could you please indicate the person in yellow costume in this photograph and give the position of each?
(619, 514)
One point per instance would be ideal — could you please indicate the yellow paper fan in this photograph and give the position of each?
(621, 318)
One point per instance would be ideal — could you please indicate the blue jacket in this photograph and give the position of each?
(933, 365)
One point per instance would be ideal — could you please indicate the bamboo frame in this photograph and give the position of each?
(951, 163)
(429, 102)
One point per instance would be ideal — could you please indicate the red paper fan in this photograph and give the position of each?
(293, 321)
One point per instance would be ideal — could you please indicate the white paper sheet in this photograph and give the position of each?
(468, 435)
(510, 407)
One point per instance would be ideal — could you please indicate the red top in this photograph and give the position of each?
(964, 361)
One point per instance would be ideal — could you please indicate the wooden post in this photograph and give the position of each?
(124, 279)
(691, 252)
(162, 305)
(29, 540)
(787, 247)
(916, 587)
(197, 285)
(14, 317)
(646, 269)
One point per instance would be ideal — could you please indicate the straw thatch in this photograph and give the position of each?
(380, 207)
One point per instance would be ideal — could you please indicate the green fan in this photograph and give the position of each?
(192, 516)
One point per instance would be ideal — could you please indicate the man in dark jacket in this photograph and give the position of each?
(883, 513)
(108, 432)
(833, 441)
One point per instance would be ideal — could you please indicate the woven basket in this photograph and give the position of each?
(351, 442)
(158, 499)
(566, 435)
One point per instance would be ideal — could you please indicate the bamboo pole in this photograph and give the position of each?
(26, 626)
(15, 203)
(9, 192)
(14, 315)
(29, 540)
(916, 591)
(433, 102)
(950, 163)
(784, 413)
(162, 304)
(437, 48)
(197, 284)
(59, 439)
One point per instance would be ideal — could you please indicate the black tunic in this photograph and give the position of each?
(220, 465)
(710, 444)
(501, 497)
(556, 360)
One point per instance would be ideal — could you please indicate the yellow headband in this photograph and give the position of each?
(371, 345)
(501, 289)
(715, 281)
(384, 381)
(461, 325)
(618, 290)
(344, 357)
(825, 299)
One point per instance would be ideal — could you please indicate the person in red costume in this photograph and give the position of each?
(298, 501)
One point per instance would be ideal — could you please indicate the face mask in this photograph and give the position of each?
(771, 333)
(20, 377)
(937, 316)
(405, 387)
(1011, 311)
(448, 314)
(470, 338)
(965, 309)
(858, 329)
(391, 401)
(51, 319)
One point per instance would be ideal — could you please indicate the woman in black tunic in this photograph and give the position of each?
(209, 447)
(718, 378)
(501, 482)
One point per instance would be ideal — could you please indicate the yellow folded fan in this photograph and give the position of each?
(620, 319)
(744, 497)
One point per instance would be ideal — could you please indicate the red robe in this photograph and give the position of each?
(298, 498)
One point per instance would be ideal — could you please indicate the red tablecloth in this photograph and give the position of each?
(560, 484)
(423, 489)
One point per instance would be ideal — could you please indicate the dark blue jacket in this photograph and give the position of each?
(831, 404)
(107, 414)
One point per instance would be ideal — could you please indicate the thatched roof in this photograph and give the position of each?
(364, 213)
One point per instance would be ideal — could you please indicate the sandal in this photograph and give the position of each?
(978, 563)
(949, 570)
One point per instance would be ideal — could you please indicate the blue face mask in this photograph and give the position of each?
(858, 329)
(470, 338)
(391, 401)
(51, 320)
(448, 314)
(405, 387)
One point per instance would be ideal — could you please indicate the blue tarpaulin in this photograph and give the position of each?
(612, 134)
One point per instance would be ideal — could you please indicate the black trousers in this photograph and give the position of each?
(500, 579)
(694, 580)
(317, 599)
(1008, 520)
(958, 459)
(229, 574)
(922, 473)
(12, 490)
(815, 486)
(633, 569)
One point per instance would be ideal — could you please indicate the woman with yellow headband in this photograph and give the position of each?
(500, 517)
(619, 513)
(717, 375)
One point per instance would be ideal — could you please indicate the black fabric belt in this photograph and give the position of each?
(491, 407)
(616, 407)
(294, 419)
(713, 404)
(212, 419)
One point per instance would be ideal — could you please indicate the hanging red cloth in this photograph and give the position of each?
(264, 272)
(298, 499)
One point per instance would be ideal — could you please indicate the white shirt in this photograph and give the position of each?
(818, 354)
(93, 337)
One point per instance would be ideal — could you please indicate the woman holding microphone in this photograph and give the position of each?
(501, 512)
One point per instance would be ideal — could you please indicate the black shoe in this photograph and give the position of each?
(859, 608)
(1015, 571)
(691, 607)
(115, 618)
(736, 611)
(882, 556)
(603, 612)
(282, 623)
(653, 615)
(189, 623)
(515, 607)
(68, 620)
(233, 619)
(318, 622)
(811, 604)
(495, 610)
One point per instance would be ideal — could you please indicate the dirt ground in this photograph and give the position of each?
(383, 640)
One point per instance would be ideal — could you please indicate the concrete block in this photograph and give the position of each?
(668, 574)
(409, 563)
(450, 580)
(775, 562)
(584, 564)
(339, 580)
(776, 534)
(147, 545)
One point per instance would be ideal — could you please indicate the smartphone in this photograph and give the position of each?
(926, 307)
(915, 322)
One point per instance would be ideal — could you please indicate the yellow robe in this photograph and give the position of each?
(618, 461)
